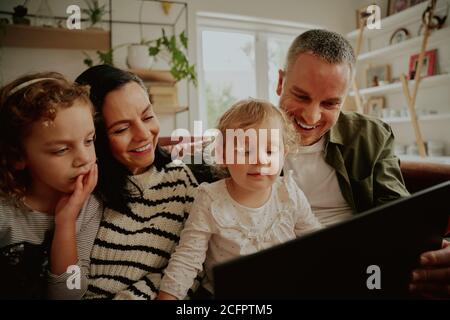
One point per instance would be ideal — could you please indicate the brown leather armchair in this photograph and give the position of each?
(422, 175)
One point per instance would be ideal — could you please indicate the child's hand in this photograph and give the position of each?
(165, 296)
(69, 206)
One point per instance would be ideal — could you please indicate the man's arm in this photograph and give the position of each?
(432, 280)
(388, 184)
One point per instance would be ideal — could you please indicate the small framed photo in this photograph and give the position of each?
(361, 16)
(375, 106)
(399, 35)
(396, 6)
(429, 64)
(414, 2)
(378, 76)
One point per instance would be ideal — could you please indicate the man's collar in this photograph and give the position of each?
(334, 134)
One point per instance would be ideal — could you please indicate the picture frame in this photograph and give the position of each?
(375, 106)
(378, 75)
(414, 2)
(399, 35)
(361, 16)
(396, 6)
(429, 67)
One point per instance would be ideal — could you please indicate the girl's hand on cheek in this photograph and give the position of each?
(69, 206)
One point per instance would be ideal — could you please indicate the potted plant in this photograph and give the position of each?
(20, 13)
(95, 12)
(138, 56)
(170, 49)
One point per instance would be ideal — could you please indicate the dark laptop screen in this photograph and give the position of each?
(340, 261)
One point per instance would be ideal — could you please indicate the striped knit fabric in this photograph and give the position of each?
(132, 248)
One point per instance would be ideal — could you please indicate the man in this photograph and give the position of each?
(345, 163)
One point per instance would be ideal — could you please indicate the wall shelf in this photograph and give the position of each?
(433, 90)
(151, 75)
(443, 159)
(430, 117)
(55, 38)
(430, 81)
(402, 18)
(170, 110)
(435, 38)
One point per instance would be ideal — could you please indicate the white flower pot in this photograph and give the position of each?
(138, 57)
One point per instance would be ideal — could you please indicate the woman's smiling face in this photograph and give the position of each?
(132, 127)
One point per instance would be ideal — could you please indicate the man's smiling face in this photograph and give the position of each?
(312, 92)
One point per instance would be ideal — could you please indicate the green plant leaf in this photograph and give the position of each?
(88, 62)
(106, 57)
(173, 43)
(94, 11)
(153, 51)
(184, 39)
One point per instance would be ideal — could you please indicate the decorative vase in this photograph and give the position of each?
(138, 57)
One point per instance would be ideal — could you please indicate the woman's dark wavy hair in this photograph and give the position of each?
(113, 177)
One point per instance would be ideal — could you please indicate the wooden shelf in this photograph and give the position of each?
(150, 75)
(435, 38)
(429, 117)
(170, 110)
(397, 86)
(56, 38)
(407, 157)
(402, 18)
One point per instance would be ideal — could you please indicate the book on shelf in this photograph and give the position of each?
(159, 76)
(163, 96)
(154, 89)
(164, 101)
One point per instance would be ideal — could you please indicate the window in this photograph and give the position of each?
(228, 70)
(277, 48)
(239, 58)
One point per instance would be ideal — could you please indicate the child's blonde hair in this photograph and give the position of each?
(24, 101)
(251, 112)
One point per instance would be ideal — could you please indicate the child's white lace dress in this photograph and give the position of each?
(219, 229)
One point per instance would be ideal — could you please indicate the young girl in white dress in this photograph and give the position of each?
(252, 209)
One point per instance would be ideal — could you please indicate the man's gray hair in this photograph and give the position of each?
(328, 45)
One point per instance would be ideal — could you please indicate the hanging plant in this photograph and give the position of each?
(164, 47)
(95, 12)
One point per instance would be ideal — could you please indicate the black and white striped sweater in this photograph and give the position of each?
(133, 248)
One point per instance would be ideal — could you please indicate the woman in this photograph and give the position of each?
(147, 196)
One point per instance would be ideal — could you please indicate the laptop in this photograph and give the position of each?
(369, 256)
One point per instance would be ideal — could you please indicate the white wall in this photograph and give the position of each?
(332, 14)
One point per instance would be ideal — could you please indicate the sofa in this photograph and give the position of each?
(422, 175)
(417, 175)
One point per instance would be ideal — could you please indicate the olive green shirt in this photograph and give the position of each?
(360, 149)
